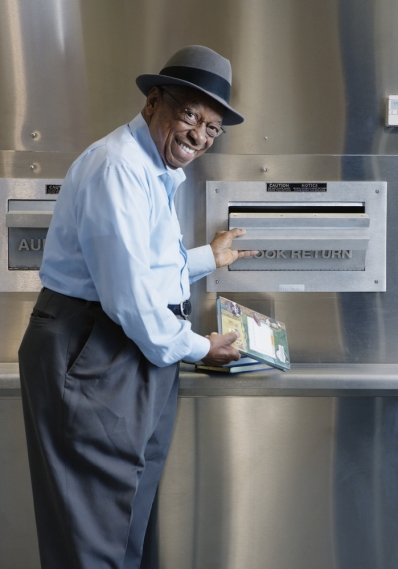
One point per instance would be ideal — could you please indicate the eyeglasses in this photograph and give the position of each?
(194, 119)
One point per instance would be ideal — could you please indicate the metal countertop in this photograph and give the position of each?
(303, 380)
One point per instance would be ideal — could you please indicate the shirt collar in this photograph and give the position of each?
(140, 131)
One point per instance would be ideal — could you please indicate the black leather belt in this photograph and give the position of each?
(183, 309)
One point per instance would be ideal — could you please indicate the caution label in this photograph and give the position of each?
(297, 187)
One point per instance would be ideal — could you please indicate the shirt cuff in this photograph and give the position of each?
(200, 349)
(201, 262)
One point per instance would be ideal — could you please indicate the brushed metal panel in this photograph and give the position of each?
(33, 165)
(15, 310)
(45, 91)
(280, 482)
(18, 541)
(246, 477)
(310, 77)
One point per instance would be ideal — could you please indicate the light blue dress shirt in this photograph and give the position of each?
(115, 237)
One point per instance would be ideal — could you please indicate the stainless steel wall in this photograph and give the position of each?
(310, 77)
(300, 483)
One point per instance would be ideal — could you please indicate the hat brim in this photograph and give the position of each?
(146, 81)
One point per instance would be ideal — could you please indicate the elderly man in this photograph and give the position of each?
(99, 360)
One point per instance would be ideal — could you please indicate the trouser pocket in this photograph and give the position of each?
(79, 338)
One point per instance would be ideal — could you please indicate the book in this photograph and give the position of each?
(261, 338)
(236, 368)
(244, 365)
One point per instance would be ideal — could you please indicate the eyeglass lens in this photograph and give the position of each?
(191, 117)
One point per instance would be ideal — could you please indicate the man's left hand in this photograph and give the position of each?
(221, 244)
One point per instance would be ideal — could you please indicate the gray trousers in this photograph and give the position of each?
(98, 418)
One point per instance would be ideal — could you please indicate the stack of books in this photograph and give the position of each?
(262, 340)
(244, 365)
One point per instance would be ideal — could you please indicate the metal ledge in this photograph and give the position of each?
(9, 380)
(303, 380)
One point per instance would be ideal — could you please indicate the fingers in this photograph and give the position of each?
(221, 247)
(221, 353)
(246, 254)
(220, 346)
(241, 254)
(229, 235)
(229, 338)
(237, 232)
(236, 356)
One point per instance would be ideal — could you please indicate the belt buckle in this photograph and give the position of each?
(182, 310)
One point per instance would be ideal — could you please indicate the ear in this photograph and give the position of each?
(152, 100)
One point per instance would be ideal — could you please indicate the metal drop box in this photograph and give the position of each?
(310, 237)
(26, 210)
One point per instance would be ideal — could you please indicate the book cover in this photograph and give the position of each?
(236, 368)
(260, 337)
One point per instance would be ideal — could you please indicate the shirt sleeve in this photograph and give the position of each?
(201, 262)
(117, 252)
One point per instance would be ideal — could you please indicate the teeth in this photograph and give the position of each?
(186, 148)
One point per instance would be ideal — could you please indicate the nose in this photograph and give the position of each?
(198, 134)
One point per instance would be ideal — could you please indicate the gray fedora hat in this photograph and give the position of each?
(201, 68)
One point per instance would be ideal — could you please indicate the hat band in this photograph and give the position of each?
(206, 80)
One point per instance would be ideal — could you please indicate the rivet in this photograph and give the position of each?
(265, 137)
(376, 282)
(35, 168)
(263, 169)
(377, 191)
(33, 134)
(217, 282)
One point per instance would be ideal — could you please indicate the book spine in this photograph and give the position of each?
(219, 320)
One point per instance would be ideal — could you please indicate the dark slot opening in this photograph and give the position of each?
(294, 209)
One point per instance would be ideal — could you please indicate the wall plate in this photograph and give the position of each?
(15, 280)
(221, 196)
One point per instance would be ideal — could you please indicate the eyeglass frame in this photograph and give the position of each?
(222, 131)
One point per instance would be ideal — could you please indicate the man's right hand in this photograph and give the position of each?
(221, 352)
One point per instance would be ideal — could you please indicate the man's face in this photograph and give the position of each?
(179, 143)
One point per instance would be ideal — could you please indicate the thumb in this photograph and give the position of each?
(231, 337)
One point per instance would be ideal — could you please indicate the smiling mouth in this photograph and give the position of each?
(186, 148)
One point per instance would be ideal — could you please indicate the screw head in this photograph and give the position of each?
(263, 169)
(217, 190)
(217, 282)
(376, 282)
(377, 191)
(265, 137)
(35, 167)
(33, 134)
